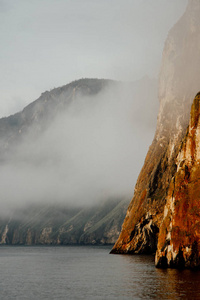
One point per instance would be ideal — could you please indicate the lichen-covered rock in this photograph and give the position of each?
(179, 235)
(179, 82)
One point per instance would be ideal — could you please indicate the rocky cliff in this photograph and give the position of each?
(179, 82)
(179, 234)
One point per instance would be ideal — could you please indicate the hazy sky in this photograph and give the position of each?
(48, 43)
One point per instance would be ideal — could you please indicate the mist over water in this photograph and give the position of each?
(95, 149)
(89, 152)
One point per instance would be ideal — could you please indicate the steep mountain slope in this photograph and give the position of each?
(179, 236)
(179, 82)
(32, 162)
(40, 114)
(63, 225)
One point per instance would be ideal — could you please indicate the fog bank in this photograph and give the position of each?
(92, 151)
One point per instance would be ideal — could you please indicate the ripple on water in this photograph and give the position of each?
(89, 273)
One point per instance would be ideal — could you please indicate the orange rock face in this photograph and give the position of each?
(147, 227)
(179, 236)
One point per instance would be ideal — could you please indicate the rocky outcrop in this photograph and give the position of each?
(179, 82)
(179, 235)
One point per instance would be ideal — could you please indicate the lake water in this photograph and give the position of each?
(89, 273)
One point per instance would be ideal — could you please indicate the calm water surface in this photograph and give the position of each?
(89, 273)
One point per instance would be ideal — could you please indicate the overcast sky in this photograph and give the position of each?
(49, 43)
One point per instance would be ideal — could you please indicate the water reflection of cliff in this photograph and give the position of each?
(178, 284)
(141, 280)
